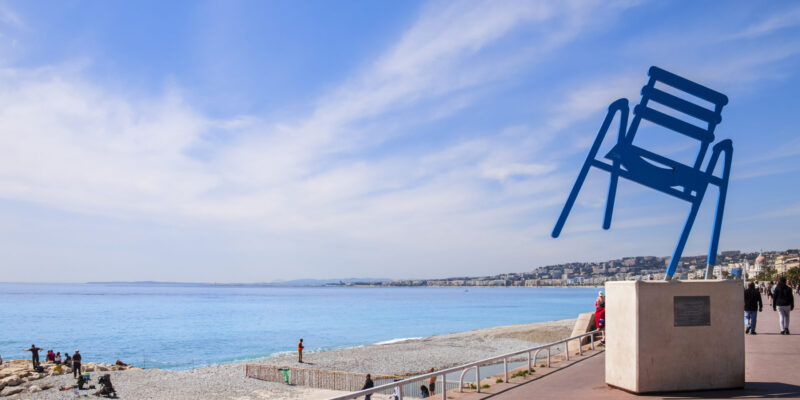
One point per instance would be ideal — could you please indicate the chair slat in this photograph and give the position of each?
(673, 123)
(688, 86)
(681, 105)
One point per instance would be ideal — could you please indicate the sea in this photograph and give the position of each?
(184, 326)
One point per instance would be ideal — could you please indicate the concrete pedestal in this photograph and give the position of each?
(674, 336)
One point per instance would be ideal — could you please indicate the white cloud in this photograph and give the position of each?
(782, 20)
(67, 143)
(71, 144)
(10, 17)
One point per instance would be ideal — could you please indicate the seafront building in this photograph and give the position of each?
(731, 264)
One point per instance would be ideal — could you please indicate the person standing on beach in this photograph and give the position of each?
(367, 385)
(752, 305)
(300, 348)
(76, 364)
(432, 383)
(34, 355)
(783, 302)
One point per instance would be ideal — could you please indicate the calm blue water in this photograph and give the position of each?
(185, 326)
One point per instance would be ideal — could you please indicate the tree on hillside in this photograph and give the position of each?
(793, 276)
(768, 274)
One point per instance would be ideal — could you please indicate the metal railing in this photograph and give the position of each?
(398, 386)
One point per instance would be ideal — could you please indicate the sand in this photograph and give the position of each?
(408, 357)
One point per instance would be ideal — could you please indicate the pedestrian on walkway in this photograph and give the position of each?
(769, 292)
(367, 385)
(752, 306)
(300, 348)
(783, 302)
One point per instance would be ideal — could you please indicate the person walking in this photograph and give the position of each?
(34, 355)
(367, 385)
(76, 364)
(769, 292)
(432, 383)
(752, 306)
(300, 348)
(783, 302)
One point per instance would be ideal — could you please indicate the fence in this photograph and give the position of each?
(316, 378)
(532, 353)
(335, 380)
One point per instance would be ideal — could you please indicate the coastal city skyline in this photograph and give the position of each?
(262, 141)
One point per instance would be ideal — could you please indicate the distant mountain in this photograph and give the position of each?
(291, 283)
(327, 282)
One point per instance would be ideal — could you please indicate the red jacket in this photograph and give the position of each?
(600, 318)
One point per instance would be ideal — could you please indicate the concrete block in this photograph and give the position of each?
(664, 336)
(584, 323)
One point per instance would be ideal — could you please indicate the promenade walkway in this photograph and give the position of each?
(772, 370)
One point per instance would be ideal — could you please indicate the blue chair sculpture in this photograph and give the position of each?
(685, 182)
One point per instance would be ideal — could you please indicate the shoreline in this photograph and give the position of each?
(404, 357)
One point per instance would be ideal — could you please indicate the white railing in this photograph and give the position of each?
(476, 365)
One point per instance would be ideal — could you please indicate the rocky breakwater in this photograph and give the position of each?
(17, 376)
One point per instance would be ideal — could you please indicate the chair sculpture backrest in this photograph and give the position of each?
(657, 171)
(650, 93)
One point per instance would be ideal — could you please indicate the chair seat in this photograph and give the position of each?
(658, 172)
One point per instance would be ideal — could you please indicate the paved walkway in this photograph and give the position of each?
(772, 370)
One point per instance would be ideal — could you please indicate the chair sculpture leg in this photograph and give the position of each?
(712, 249)
(676, 255)
(612, 184)
(726, 147)
(621, 104)
(612, 192)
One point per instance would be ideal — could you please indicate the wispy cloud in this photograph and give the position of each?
(10, 17)
(331, 175)
(784, 19)
(71, 144)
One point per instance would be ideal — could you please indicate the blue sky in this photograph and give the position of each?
(236, 141)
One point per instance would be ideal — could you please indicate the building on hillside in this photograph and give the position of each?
(759, 264)
(786, 262)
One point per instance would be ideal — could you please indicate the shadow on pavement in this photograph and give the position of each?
(752, 390)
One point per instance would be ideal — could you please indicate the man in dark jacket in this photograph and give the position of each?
(783, 302)
(752, 305)
(34, 355)
(368, 384)
(76, 364)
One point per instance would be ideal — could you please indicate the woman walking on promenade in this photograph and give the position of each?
(783, 302)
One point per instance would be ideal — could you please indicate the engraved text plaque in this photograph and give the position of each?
(692, 310)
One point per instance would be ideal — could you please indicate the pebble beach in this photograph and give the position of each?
(227, 381)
